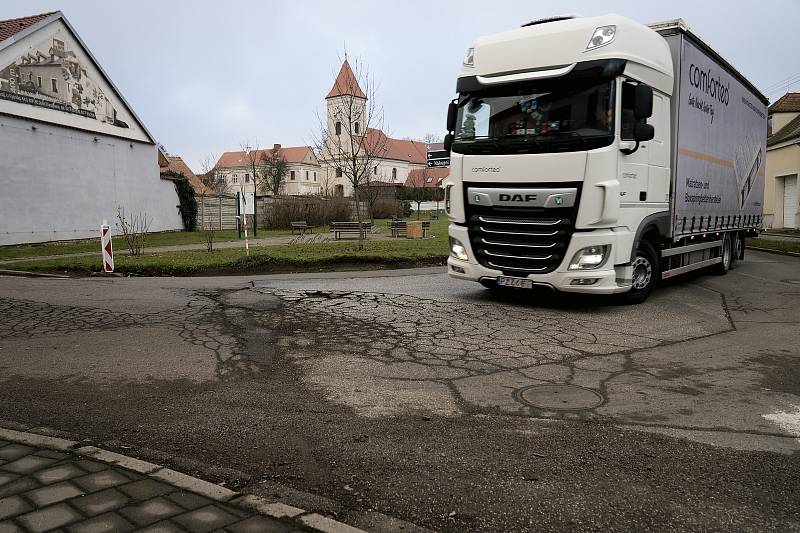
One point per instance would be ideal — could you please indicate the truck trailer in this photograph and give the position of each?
(601, 155)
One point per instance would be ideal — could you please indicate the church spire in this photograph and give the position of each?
(346, 84)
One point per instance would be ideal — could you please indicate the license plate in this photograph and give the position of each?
(517, 283)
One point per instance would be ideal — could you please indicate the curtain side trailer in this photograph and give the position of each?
(601, 167)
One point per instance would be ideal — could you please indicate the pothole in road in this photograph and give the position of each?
(560, 397)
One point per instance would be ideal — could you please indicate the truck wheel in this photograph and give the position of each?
(738, 248)
(645, 272)
(727, 256)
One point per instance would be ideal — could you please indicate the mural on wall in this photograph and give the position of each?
(50, 75)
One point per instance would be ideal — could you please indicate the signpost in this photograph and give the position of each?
(438, 159)
(108, 252)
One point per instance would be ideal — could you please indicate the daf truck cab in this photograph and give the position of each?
(567, 167)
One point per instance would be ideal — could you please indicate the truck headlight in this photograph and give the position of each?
(602, 36)
(457, 250)
(590, 258)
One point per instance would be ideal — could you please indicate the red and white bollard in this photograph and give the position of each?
(108, 251)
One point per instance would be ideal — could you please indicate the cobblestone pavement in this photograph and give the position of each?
(45, 490)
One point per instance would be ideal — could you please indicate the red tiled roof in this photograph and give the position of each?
(179, 166)
(788, 103)
(292, 154)
(787, 133)
(426, 177)
(11, 27)
(399, 149)
(346, 84)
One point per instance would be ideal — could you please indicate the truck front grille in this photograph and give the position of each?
(520, 241)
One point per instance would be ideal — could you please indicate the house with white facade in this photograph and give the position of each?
(303, 175)
(73, 150)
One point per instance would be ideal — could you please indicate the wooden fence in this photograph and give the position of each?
(218, 212)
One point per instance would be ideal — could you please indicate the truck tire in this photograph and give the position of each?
(646, 272)
(738, 248)
(727, 256)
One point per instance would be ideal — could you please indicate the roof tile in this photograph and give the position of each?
(179, 166)
(346, 84)
(427, 177)
(292, 154)
(11, 27)
(787, 133)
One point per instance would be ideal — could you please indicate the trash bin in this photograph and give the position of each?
(414, 229)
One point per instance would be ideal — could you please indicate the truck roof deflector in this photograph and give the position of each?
(523, 76)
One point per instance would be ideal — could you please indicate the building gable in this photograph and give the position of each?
(48, 74)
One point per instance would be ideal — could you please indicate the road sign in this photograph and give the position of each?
(247, 203)
(438, 159)
(108, 251)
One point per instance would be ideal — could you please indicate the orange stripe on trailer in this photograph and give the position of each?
(706, 157)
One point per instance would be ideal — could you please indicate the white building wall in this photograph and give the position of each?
(61, 183)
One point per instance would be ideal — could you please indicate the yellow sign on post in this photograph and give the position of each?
(414, 229)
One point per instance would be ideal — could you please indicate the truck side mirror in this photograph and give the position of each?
(448, 142)
(452, 112)
(643, 132)
(643, 101)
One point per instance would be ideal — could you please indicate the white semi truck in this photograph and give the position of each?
(600, 155)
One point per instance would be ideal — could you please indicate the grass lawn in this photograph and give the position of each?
(785, 231)
(304, 256)
(168, 238)
(769, 244)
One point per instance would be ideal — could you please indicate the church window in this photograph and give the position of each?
(291, 175)
(356, 127)
(338, 128)
(375, 171)
(338, 172)
(394, 174)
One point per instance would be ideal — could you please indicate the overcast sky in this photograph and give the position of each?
(205, 75)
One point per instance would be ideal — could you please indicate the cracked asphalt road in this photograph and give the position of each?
(432, 400)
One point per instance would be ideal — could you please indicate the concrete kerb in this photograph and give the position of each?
(773, 251)
(248, 502)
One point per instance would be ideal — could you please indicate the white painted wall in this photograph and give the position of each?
(59, 183)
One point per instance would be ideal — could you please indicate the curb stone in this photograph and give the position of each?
(249, 502)
(773, 251)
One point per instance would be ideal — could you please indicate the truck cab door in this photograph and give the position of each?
(635, 167)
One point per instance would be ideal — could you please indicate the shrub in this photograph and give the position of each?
(386, 208)
(406, 209)
(188, 203)
(279, 212)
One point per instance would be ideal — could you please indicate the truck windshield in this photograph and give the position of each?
(526, 118)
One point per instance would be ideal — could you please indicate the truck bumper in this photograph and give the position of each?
(609, 279)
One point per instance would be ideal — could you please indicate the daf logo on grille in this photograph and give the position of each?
(517, 197)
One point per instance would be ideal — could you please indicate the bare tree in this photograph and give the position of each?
(275, 170)
(134, 229)
(417, 189)
(432, 138)
(352, 141)
(214, 182)
(214, 185)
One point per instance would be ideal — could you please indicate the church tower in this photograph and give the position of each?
(346, 104)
